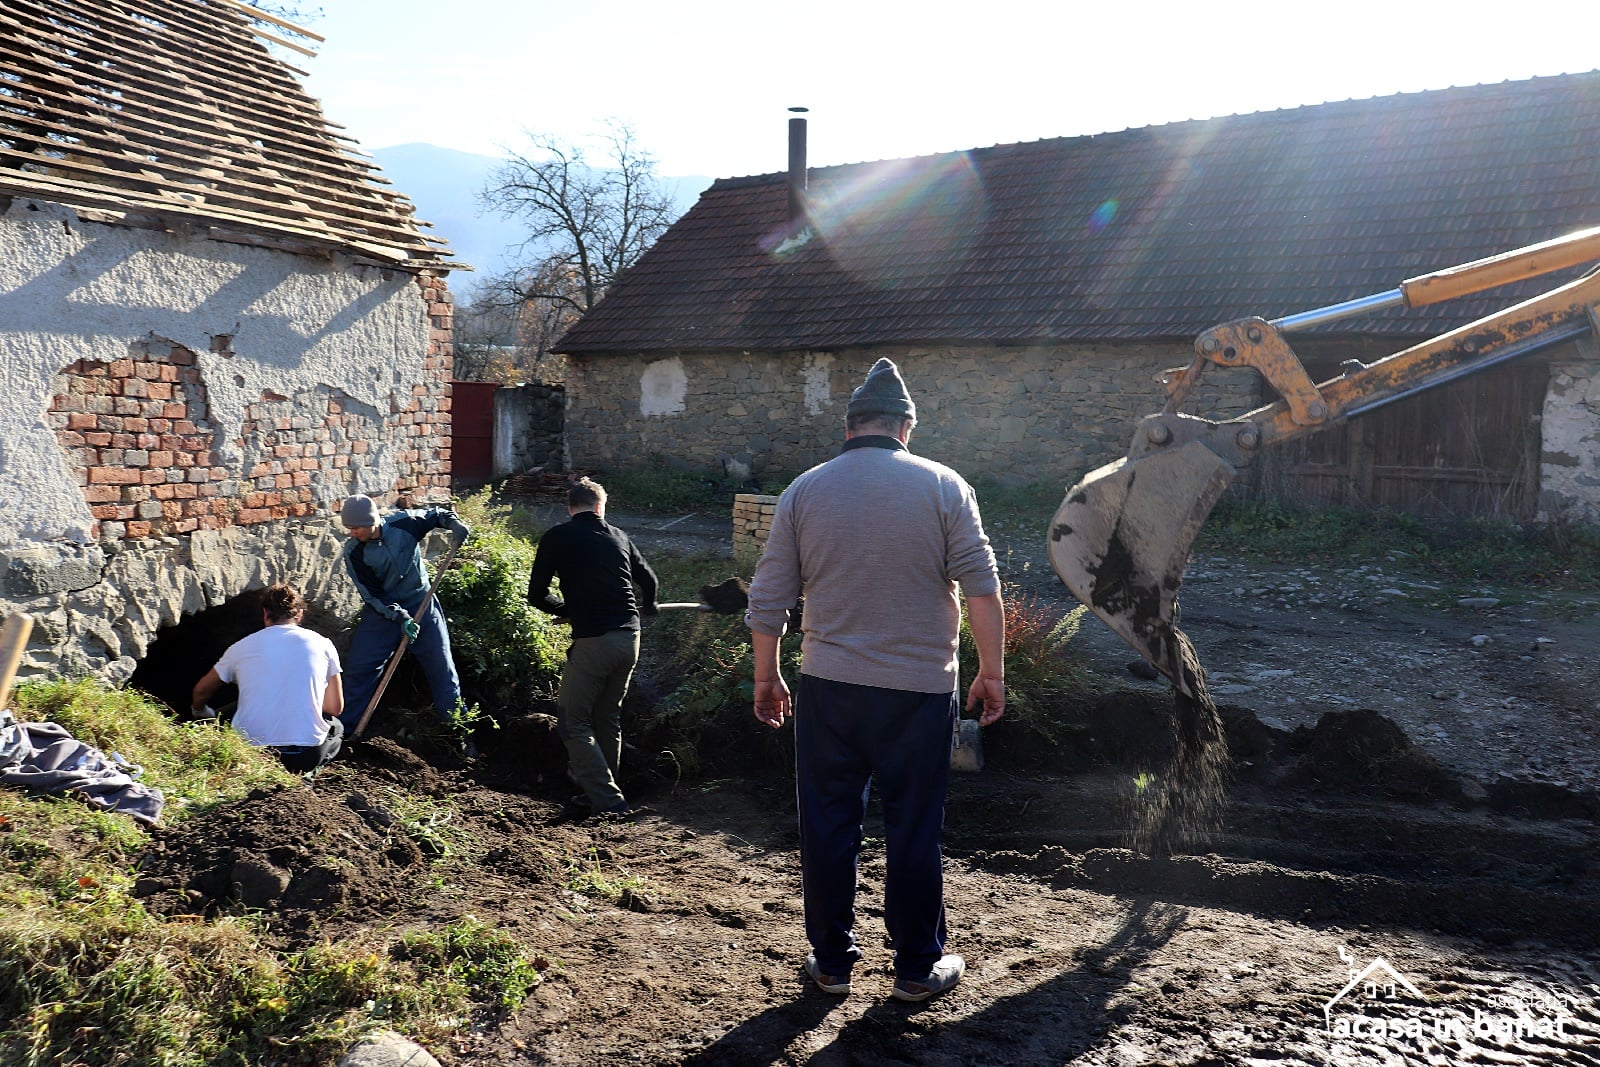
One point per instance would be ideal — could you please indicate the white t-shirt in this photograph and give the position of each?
(282, 673)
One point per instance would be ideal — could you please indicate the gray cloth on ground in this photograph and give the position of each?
(53, 761)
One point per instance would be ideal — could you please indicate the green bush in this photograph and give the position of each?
(509, 654)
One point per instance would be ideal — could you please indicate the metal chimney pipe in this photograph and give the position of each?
(797, 164)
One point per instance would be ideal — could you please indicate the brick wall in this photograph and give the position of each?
(139, 438)
(752, 522)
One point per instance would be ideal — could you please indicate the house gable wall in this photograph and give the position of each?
(183, 416)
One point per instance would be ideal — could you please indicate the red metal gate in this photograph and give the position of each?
(472, 431)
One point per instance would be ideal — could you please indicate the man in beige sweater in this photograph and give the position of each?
(878, 539)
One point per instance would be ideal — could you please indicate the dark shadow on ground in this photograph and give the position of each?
(1053, 1022)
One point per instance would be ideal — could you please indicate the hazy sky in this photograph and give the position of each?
(706, 83)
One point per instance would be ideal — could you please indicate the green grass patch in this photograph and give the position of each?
(87, 975)
(588, 876)
(663, 491)
(469, 961)
(1463, 551)
(198, 764)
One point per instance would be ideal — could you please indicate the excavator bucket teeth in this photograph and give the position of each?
(1120, 541)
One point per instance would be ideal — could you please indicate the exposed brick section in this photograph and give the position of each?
(426, 420)
(139, 435)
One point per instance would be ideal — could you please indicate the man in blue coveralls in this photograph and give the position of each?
(384, 558)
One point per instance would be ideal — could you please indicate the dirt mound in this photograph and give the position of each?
(1363, 751)
(296, 853)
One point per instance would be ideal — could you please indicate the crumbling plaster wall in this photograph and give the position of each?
(1013, 414)
(1569, 476)
(180, 416)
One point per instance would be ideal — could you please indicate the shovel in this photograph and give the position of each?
(729, 597)
(405, 642)
(13, 639)
(966, 746)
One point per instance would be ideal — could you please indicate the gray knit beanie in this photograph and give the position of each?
(883, 393)
(359, 511)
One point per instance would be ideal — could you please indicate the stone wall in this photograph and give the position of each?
(1015, 415)
(183, 417)
(529, 428)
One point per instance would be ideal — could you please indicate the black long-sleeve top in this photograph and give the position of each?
(600, 569)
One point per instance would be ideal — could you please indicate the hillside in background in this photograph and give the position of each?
(444, 184)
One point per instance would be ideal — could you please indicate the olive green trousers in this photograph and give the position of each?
(593, 685)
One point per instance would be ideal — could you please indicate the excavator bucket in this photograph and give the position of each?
(1120, 541)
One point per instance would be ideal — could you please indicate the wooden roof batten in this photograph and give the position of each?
(172, 114)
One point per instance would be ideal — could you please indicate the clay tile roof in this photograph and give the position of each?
(1153, 233)
(172, 112)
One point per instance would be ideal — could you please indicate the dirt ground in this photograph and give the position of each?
(1407, 871)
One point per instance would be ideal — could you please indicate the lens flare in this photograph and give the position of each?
(1101, 216)
(902, 223)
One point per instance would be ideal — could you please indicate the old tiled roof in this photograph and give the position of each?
(1153, 233)
(172, 113)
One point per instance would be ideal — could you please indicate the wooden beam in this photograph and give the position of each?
(265, 16)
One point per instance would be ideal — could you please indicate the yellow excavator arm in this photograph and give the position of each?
(1120, 539)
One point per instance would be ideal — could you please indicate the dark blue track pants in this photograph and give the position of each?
(372, 644)
(845, 737)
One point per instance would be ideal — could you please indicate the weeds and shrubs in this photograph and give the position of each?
(705, 720)
(588, 877)
(474, 961)
(1045, 687)
(509, 654)
(431, 825)
(1557, 555)
(85, 969)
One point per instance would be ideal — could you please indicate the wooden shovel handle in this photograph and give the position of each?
(405, 642)
(13, 639)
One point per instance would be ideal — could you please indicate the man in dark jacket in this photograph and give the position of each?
(384, 558)
(605, 586)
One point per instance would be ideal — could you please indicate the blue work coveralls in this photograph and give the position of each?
(390, 576)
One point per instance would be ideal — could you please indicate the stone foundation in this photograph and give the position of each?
(1016, 415)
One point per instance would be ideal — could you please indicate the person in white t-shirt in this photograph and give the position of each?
(290, 695)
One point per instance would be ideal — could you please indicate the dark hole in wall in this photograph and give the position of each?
(180, 655)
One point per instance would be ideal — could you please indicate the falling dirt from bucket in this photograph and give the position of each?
(1185, 799)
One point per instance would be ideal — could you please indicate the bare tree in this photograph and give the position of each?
(585, 225)
(503, 341)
